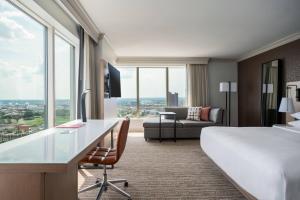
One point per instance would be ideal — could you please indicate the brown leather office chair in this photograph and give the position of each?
(108, 156)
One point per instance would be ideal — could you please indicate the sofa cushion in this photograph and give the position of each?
(181, 112)
(204, 114)
(190, 123)
(215, 115)
(154, 123)
(193, 113)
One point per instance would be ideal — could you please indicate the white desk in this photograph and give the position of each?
(44, 165)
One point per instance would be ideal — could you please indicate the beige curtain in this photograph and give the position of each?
(94, 80)
(197, 83)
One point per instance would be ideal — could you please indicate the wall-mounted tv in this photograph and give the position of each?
(112, 83)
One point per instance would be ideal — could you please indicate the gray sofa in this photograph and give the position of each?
(184, 128)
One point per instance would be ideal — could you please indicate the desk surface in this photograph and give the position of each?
(54, 145)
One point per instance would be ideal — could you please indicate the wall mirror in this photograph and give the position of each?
(271, 92)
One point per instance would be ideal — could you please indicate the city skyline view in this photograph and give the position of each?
(23, 82)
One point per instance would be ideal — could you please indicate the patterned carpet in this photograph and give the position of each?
(165, 170)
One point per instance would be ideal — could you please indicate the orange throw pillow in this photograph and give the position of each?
(204, 114)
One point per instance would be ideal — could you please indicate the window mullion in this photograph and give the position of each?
(167, 85)
(138, 90)
(50, 80)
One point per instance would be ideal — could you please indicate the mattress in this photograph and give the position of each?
(264, 161)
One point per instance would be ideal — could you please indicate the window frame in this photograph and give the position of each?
(72, 78)
(53, 27)
(186, 84)
(163, 66)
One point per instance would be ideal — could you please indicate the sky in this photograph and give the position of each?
(22, 63)
(152, 81)
(22, 57)
(62, 69)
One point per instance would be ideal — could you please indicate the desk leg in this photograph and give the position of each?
(174, 128)
(40, 186)
(25, 186)
(159, 128)
(112, 142)
(112, 138)
(60, 186)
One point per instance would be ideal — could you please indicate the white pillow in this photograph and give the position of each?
(296, 115)
(295, 123)
(194, 113)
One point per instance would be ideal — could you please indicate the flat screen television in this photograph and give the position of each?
(112, 82)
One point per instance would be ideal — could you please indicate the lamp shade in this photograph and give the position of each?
(224, 87)
(233, 87)
(286, 105)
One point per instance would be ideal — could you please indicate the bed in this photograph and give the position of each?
(263, 161)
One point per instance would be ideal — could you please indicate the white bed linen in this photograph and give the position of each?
(263, 161)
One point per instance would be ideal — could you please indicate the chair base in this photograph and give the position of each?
(104, 184)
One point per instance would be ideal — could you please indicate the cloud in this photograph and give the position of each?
(11, 13)
(3, 63)
(10, 29)
(20, 72)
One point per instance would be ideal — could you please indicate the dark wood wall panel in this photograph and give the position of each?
(249, 79)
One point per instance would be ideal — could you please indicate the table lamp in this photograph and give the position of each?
(286, 105)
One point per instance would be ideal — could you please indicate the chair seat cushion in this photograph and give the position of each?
(103, 149)
(96, 157)
(102, 153)
(165, 123)
(190, 123)
(109, 160)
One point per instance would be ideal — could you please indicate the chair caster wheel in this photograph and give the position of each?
(97, 181)
(105, 189)
(126, 184)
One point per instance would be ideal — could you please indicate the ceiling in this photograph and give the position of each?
(193, 28)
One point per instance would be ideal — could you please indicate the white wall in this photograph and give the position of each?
(59, 14)
(220, 70)
(110, 108)
(108, 54)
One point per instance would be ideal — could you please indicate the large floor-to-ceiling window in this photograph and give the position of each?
(145, 89)
(152, 91)
(64, 81)
(36, 71)
(127, 105)
(177, 83)
(22, 73)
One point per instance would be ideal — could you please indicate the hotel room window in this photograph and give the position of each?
(177, 83)
(22, 73)
(152, 91)
(64, 81)
(127, 104)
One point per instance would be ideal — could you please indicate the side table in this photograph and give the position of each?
(167, 114)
